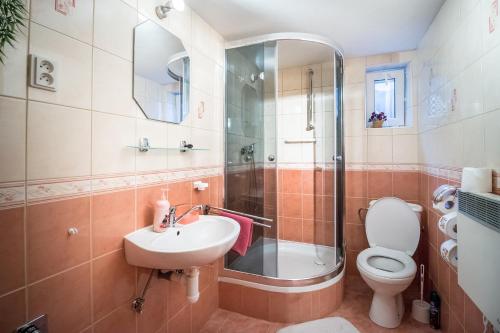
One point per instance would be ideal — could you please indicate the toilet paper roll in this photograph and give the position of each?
(449, 252)
(448, 225)
(477, 180)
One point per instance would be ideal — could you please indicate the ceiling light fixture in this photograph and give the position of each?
(161, 11)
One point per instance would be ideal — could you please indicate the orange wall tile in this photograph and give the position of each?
(83, 281)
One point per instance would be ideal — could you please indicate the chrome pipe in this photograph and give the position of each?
(310, 102)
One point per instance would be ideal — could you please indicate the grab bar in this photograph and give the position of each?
(207, 208)
(310, 102)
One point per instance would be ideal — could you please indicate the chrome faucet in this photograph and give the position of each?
(172, 219)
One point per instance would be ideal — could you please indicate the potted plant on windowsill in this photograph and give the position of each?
(377, 119)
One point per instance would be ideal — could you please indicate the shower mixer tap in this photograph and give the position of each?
(247, 152)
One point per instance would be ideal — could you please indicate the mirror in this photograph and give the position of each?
(161, 73)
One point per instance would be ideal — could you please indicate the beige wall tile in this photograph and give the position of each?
(13, 71)
(12, 139)
(114, 22)
(77, 24)
(379, 149)
(354, 70)
(58, 141)
(405, 149)
(112, 85)
(111, 135)
(292, 79)
(74, 67)
(175, 134)
(354, 96)
(156, 132)
(492, 140)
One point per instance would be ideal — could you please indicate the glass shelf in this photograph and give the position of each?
(167, 148)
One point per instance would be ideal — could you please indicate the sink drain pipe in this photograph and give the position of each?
(192, 289)
(190, 276)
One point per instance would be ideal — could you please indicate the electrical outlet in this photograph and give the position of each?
(43, 73)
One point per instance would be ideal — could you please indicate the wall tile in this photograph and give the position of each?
(406, 185)
(65, 298)
(380, 184)
(380, 149)
(112, 85)
(113, 216)
(405, 149)
(114, 22)
(50, 248)
(74, 63)
(13, 72)
(176, 134)
(13, 307)
(492, 137)
(113, 283)
(156, 132)
(12, 139)
(292, 78)
(354, 70)
(153, 317)
(11, 249)
(58, 141)
(110, 137)
(122, 320)
(77, 24)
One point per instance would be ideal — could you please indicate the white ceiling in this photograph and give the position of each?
(360, 27)
(292, 53)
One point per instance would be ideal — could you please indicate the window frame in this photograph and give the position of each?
(377, 74)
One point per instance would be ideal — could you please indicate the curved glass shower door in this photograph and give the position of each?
(250, 144)
(284, 158)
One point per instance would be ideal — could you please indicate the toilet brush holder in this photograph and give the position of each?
(420, 311)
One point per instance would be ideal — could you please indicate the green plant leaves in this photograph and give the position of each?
(12, 15)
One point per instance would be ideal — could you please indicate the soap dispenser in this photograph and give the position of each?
(162, 207)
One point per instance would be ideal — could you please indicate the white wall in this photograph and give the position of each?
(458, 64)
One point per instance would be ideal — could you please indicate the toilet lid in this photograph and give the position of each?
(391, 223)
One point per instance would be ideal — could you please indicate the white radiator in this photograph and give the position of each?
(479, 252)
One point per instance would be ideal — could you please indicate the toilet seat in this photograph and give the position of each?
(393, 264)
(392, 224)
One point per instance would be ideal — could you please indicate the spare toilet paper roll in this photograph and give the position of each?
(448, 225)
(478, 180)
(449, 251)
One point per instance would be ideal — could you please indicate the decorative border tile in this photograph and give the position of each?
(13, 195)
(16, 194)
(39, 192)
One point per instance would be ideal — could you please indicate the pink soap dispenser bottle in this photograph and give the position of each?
(162, 207)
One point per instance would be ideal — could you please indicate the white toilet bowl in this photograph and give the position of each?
(393, 231)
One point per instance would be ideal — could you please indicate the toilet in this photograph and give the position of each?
(393, 231)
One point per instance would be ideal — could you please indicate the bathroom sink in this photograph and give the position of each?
(183, 246)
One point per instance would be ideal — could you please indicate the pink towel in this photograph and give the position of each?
(245, 237)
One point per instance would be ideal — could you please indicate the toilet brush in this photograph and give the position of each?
(420, 308)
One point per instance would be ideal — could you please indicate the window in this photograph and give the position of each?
(386, 92)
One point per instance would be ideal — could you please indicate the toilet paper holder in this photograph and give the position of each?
(443, 192)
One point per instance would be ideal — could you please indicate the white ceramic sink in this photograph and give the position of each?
(184, 246)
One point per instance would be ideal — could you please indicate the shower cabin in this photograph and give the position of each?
(284, 158)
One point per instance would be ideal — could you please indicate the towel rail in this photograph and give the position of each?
(208, 208)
